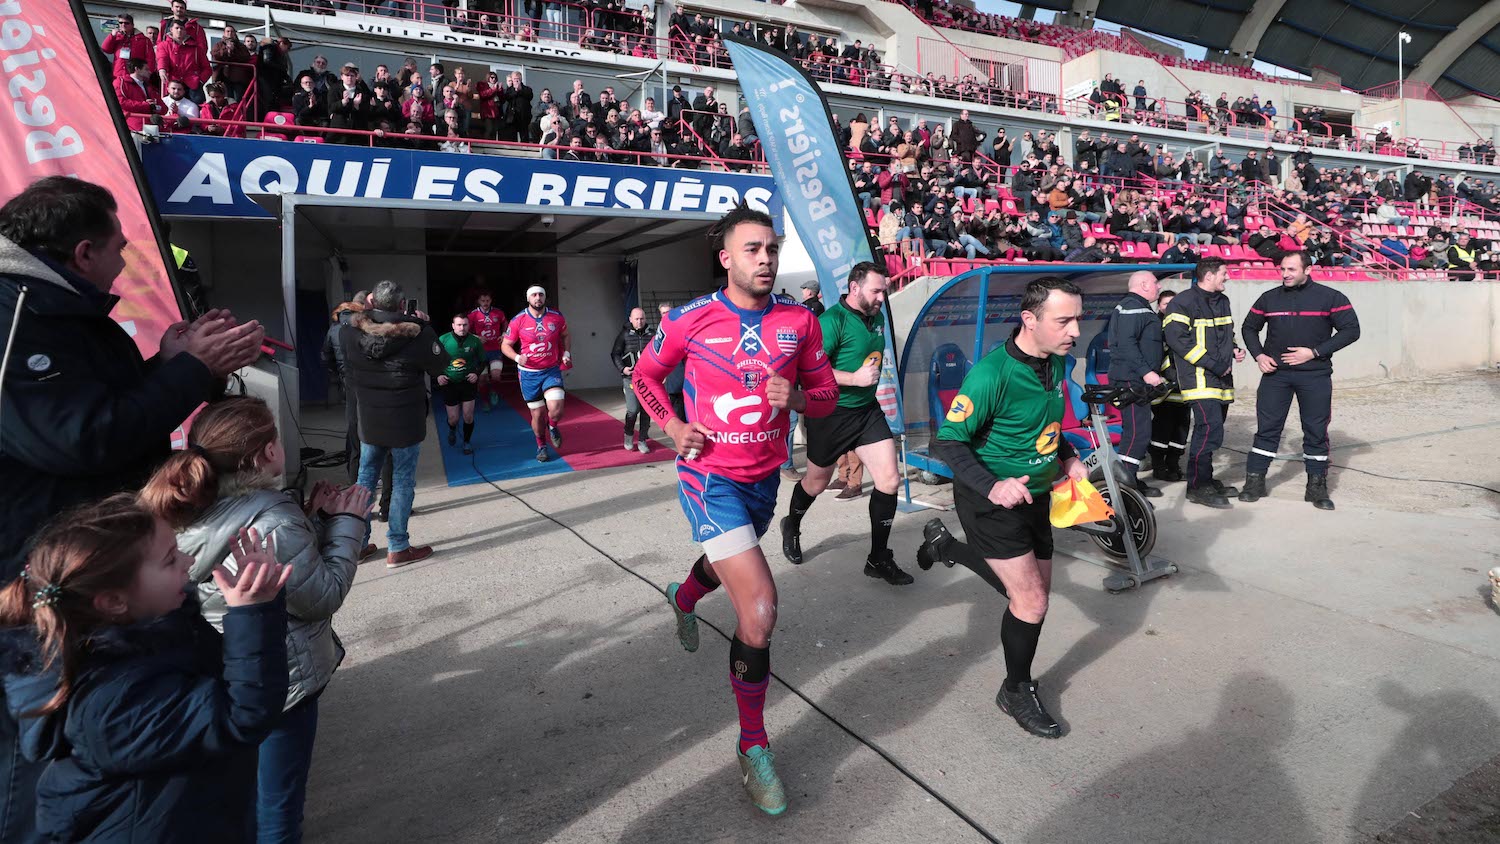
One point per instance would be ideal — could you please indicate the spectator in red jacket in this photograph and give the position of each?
(127, 43)
(181, 58)
(190, 25)
(418, 109)
(489, 109)
(135, 94)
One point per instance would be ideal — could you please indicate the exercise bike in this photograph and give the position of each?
(1129, 535)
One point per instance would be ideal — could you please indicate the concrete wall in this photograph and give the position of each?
(677, 272)
(1407, 329)
(590, 296)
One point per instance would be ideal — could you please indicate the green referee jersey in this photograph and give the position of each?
(465, 355)
(850, 340)
(1011, 420)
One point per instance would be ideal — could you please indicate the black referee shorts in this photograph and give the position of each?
(1001, 534)
(456, 392)
(832, 436)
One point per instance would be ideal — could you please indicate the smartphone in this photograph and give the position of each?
(411, 307)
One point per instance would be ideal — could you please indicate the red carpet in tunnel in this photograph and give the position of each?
(592, 439)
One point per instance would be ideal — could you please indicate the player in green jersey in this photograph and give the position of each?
(854, 341)
(460, 380)
(1003, 440)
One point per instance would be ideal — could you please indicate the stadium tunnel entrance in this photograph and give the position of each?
(595, 264)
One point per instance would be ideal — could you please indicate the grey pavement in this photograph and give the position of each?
(1307, 676)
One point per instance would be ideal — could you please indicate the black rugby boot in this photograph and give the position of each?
(1024, 706)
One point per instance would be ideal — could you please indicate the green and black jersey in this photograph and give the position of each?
(465, 355)
(851, 339)
(1011, 419)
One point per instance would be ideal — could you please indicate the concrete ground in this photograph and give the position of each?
(1308, 676)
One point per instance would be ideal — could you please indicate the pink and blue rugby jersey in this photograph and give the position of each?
(540, 340)
(730, 355)
(488, 327)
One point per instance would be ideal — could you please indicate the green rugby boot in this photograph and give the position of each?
(758, 773)
(687, 623)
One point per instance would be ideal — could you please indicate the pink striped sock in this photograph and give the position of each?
(697, 584)
(751, 700)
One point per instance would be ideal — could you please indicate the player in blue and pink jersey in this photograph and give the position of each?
(746, 351)
(488, 324)
(537, 340)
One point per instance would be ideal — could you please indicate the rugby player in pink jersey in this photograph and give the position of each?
(747, 352)
(538, 341)
(488, 324)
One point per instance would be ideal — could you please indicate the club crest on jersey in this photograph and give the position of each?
(786, 340)
(751, 379)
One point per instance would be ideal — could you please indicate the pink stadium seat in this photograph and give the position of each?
(281, 118)
(309, 139)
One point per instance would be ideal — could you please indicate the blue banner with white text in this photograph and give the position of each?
(200, 175)
(796, 131)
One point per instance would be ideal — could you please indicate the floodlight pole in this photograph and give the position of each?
(1401, 39)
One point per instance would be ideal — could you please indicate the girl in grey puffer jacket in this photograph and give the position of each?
(227, 480)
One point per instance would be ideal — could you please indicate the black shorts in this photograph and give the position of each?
(1000, 534)
(457, 392)
(840, 432)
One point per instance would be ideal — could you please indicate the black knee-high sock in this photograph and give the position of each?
(882, 513)
(1019, 639)
(702, 574)
(468, 431)
(801, 501)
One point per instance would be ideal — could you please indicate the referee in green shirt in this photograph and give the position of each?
(460, 379)
(1003, 440)
(854, 340)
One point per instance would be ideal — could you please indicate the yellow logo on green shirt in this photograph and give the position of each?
(961, 409)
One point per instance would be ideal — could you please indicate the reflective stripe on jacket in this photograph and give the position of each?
(1199, 331)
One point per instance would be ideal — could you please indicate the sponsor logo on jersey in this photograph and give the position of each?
(786, 340)
(873, 357)
(818, 355)
(740, 411)
(458, 363)
(961, 409)
(661, 337)
(715, 340)
(1047, 442)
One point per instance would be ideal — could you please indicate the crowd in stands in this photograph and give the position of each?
(929, 191)
(1073, 42)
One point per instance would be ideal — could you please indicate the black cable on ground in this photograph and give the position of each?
(1378, 475)
(875, 748)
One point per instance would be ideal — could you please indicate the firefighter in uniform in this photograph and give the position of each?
(1169, 415)
(1306, 323)
(1199, 332)
(1135, 353)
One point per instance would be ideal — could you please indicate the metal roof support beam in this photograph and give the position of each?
(1247, 38)
(1445, 52)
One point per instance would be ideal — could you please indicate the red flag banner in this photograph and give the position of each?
(59, 118)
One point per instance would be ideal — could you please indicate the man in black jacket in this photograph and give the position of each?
(389, 355)
(1135, 354)
(1308, 322)
(625, 352)
(84, 415)
(516, 109)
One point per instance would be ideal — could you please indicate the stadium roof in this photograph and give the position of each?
(1455, 44)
